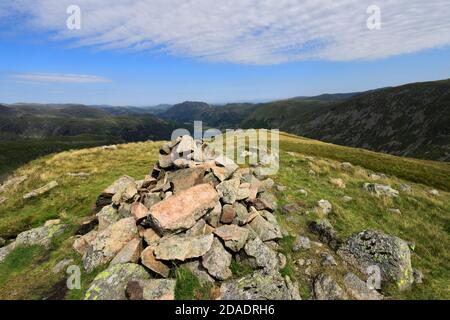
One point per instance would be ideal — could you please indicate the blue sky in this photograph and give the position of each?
(215, 61)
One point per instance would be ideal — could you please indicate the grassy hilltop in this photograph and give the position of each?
(424, 219)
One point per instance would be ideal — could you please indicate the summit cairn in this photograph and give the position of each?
(195, 209)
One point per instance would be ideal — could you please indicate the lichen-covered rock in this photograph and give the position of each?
(233, 236)
(217, 261)
(326, 288)
(35, 193)
(261, 256)
(181, 211)
(266, 201)
(153, 289)
(111, 283)
(301, 243)
(259, 285)
(6, 250)
(228, 190)
(326, 233)
(109, 242)
(373, 248)
(180, 247)
(359, 289)
(380, 190)
(107, 216)
(81, 244)
(264, 229)
(40, 236)
(243, 216)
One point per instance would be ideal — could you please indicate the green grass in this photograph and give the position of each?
(240, 269)
(431, 173)
(425, 220)
(15, 153)
(189, 287)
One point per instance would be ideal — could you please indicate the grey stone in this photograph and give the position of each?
(44, 189)
(301, 243)
(228, 190)
(380, 190)
(326, 233)
(111, 283)
(264, 229)
(262, 256)
(326, 288)
(217, 261)
(391, 254)
(328, 260)
(259, 285)
(233, 236)
(359, 289)
(179, 247)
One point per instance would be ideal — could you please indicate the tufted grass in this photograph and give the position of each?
(425, 220)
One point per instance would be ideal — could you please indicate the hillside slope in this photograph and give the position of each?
(410, 120)
(305, 164)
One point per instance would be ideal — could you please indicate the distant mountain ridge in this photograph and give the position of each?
(410, 120)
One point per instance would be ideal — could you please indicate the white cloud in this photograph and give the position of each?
(247, 31)
(60, 78)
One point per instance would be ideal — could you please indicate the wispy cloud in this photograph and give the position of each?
(247, 31)
(60, 78)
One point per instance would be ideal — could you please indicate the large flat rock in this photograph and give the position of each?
(183, 247)
(181, 211)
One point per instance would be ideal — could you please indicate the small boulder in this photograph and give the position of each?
(109, 242)
(181, 211)
(131, 252)
(107, 217)
(152, 289)
(326, 288)
(228, 190)
(326, 233)
(234, 237)
(266, 201)
(181, 247)
(359, 289)
(148, 259)
(324, 207)
(301, 243)
(111, 283)
(35, 193)
(264, 229)
(380, 190)
(261, 256)
(259, 285)
(217, 261)
(373, 248)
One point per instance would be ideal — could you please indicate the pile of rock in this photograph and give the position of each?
(196, 209)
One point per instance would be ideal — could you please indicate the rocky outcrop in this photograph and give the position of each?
(373, 248)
